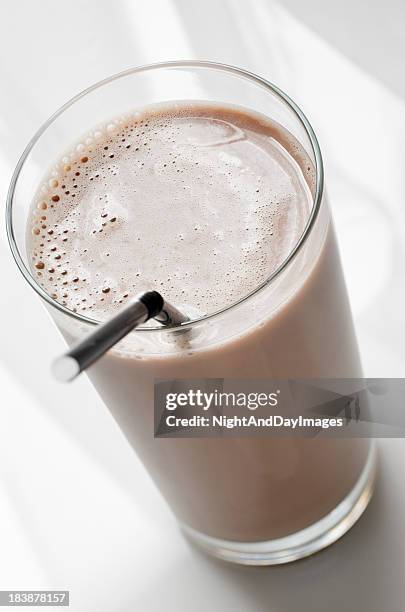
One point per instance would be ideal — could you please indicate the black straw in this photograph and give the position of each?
(147, 306)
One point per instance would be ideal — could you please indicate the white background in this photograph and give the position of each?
(77, 510)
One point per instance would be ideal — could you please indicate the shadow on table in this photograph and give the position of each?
(354, 574)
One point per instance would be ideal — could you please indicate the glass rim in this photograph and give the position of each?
(220, 67)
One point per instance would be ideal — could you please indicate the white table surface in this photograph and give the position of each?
(77, 510)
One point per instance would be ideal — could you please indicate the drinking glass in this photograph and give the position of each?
(248, 500)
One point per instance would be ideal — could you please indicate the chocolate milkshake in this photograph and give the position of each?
(204, 202)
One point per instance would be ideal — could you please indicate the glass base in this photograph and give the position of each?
(299, 544)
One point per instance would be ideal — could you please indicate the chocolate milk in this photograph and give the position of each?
(204, 202)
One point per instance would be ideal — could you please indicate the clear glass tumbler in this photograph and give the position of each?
(248, 500)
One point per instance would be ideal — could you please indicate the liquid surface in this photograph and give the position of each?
(201, 202)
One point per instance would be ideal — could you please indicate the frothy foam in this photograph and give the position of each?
(201, 202)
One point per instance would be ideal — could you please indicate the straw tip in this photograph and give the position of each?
(153, 302)
(65, 368)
